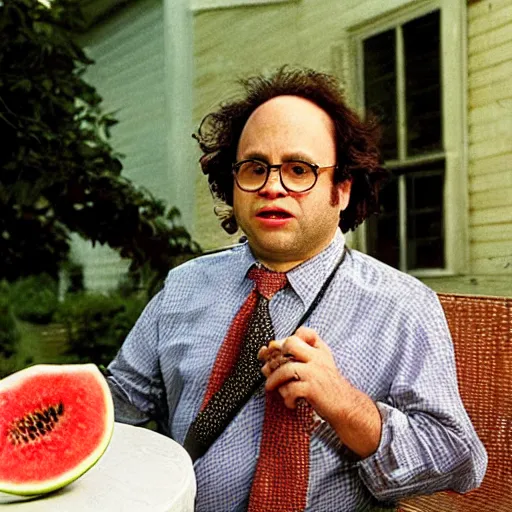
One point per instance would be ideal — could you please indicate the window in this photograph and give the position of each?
(415, 90)
(402, 87)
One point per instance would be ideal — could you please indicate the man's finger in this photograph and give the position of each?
(296, 349)
(292, 371)
(308, 335)
(311, 337)
(273, 363)
(293, 392)
(263, 353)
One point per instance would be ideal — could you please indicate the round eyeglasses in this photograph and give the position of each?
(295, 175)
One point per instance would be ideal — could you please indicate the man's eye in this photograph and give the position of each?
(258, 170)
(298, 170)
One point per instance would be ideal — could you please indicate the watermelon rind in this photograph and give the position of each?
(15, 380)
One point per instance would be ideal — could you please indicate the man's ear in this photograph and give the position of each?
(344, 189)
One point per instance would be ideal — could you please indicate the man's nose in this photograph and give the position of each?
(273, 185)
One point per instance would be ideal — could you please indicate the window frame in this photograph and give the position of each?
(454, 119)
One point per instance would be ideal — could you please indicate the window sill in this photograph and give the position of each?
(432, 272)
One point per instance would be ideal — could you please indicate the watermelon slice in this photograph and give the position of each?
(56, 421)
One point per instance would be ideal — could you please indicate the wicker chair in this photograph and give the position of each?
(481, 328)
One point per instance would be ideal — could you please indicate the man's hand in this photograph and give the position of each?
(302, 366)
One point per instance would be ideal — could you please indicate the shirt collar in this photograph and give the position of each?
(307, 278)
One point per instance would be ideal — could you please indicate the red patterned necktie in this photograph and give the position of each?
(236, 373)
(280, 483)
(282, 471)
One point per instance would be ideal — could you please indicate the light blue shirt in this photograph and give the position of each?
(389, 338)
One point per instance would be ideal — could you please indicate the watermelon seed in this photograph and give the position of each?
(35, 424)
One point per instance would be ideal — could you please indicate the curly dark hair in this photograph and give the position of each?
(358, 156)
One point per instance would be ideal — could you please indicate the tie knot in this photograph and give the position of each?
(268, 283)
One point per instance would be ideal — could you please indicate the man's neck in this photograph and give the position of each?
(284, 265)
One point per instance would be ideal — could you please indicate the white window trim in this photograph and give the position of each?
(454, 100)
(205, 5)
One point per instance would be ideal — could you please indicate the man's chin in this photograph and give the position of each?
(277, 250)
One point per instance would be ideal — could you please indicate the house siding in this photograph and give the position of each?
(128, 50)
(235, 42)
(489, 152)
(490, 138)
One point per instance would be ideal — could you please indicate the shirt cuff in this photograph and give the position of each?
(377, 469)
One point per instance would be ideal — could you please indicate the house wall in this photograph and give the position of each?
(128, 49)
(489, 151)
(490, 136)
(235, 42)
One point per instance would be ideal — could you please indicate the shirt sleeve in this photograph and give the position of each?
(134, 375)
(428, 442)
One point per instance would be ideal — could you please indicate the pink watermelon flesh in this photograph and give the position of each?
(55, 422)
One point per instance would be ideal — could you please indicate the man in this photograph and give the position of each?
(360, 406)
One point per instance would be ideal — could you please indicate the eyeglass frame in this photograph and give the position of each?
(269, 167)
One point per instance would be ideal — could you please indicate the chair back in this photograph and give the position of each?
(481, 329)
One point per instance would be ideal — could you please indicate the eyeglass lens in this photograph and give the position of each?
(296, 176)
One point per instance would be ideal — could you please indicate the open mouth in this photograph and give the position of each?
(274, 214)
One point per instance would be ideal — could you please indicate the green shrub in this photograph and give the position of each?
(9, 333)
(35, 298)
(97, 324)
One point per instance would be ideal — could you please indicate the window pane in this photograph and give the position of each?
(425, 230)
(423, 84)
(380, 87)
(383, 241)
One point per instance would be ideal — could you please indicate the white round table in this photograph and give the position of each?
(141, 471)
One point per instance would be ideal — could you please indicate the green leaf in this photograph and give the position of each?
(24, 84)
(47, 84)
(44, 29)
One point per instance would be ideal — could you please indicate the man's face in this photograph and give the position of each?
(286, 228)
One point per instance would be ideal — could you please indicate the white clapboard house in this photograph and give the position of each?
(437, 72)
